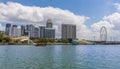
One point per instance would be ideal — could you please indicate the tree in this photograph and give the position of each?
(65, 41)
(70, 40)
(1, 37)
(6, 39)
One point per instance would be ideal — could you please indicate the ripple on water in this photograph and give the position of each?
(60, 57)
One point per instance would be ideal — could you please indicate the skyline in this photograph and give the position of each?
(30, 30)
(88, 16)
(13, 31)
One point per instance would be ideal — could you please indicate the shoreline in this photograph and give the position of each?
(56, 43)
(51, 44)
(35, 43)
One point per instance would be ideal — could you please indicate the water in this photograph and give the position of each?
(60, 57)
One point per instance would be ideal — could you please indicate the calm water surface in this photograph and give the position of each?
(60, 57)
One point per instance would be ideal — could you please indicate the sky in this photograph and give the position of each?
(88, 15)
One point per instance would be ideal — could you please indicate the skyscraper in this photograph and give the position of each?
(23, 30)
(18, 32)
(30, 30)
(68, 31)
(36, 32)
(8, 29)
(14, 31)
(42, 31)
(49, 33)
(49, 23)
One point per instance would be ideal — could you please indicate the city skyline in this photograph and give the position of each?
(30, 30)
(89, 16)
(67, 31)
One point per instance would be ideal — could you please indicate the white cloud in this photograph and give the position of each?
(18, 13)
(117, 6)
(113, 18)
(111, 22)
(97, 26)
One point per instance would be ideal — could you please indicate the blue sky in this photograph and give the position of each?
(95, 9)
(100, 13)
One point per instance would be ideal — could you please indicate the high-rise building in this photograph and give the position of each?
(68, 31)
(42, 31)
(18, 34)
(14, 31)
(8, 29)
(23, 30)
(30, 30)
(36, 32)
(49, 33)
(49, 23)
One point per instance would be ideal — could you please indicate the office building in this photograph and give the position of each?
(18, 34)
(14, 31)
(8, 29)
(23, 30)
(30, 30)
(49, 33)
(49, 23)
(36, 32)
(68, 31)
(42, 31)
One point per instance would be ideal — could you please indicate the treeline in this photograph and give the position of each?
(44, 40)
(4, 39)
(7, 39)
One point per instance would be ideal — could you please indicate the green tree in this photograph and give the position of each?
(65, 41)
(6, 39)
(1, 37)
(70, 40)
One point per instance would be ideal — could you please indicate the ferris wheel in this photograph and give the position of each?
(103, 33)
